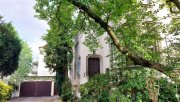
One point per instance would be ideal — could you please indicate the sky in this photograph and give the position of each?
(29, 28)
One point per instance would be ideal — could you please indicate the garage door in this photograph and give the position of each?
(35, 89)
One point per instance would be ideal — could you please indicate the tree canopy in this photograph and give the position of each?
(131, 26)
(10, 48)
(25, 65)
(135, 31)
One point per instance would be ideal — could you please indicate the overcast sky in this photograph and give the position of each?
(29, 28)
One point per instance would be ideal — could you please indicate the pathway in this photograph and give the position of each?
(36, 99)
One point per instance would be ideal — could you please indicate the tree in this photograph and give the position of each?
(58, 49)
(56, 59)
(105, 17)
(24, 67)
(10, 48)
(58, 53)
(134, 30)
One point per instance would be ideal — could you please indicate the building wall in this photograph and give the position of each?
(42, 70)
(82, 53)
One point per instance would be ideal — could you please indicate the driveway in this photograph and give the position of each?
(36, 99)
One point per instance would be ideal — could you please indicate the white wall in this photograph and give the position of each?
(42, 70)
(84, 52)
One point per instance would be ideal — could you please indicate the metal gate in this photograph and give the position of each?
(35, 89)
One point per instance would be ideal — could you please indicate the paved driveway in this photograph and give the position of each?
(36, 99)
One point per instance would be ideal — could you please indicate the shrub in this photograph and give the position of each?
(96, 89)
(128, 86)
(5, 91)
(116, 96)
(168, 91)
(66, 90)
(107, 88)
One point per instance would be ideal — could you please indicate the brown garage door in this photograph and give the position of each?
(35, 88)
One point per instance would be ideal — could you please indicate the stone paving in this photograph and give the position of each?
(36, 99)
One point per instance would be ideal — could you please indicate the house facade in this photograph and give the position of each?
(42, 70)
(86, 63)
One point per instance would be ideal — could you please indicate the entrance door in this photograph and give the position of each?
(93, 66)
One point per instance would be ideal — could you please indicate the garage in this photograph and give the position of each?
(35, 88)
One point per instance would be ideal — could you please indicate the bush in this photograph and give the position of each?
(168, 91)
(66, 90)
(116, 96)
(5, 91)
(96, 89)
(108, 88)
(127, 86)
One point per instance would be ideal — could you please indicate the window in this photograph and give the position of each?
(77, 63)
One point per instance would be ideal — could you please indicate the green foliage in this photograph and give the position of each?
(59, 42)
(96, 89)
(104, 88)
(10, 48)
(24, 67)
(59, 81)
(5, 91)
(117, 96)
(58, 50)
(92, 42)
(137, 28)
(168, 91)
(66, 90)
(131, 86)
(129, 78)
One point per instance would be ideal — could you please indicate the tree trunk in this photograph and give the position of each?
(58, 81)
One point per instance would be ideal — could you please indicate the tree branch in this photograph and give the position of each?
(177, 3)
(136, 59)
